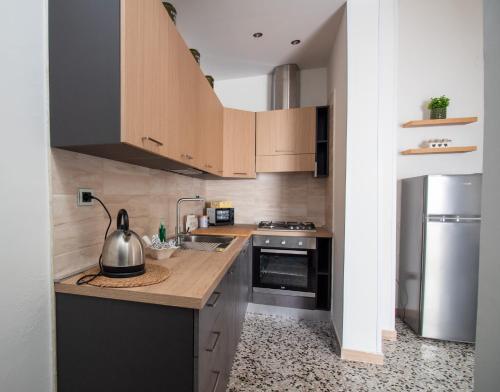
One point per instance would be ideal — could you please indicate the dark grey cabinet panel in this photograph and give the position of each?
(107, 345)
(84, 72)
(220, 340)
(130, 346)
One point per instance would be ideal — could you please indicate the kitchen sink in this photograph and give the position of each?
(206, 243)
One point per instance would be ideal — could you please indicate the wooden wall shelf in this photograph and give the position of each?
(446, 121)
(443, 150)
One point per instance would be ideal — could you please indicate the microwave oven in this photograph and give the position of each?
(220, 216)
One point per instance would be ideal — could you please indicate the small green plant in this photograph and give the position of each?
(437, 103)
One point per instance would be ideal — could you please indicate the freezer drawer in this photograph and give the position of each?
(450, 279)
(453, 195)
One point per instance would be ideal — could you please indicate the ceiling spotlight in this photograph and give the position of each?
(295, 42)
(257, 35)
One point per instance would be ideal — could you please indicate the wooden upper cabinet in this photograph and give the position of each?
(131, 90)
(239, 143)
(182, 101)
(141, 65)
(286, 140)
(209, 141)
(303, 125)
(289, 131)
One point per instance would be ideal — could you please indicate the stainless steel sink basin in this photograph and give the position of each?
(206, 243)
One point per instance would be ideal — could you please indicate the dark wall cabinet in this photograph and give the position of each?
(108, 345)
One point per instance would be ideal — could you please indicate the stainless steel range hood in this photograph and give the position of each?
(285, 92)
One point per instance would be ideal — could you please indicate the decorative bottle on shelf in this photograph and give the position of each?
(162, 233)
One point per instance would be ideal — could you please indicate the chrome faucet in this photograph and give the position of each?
(177, 223)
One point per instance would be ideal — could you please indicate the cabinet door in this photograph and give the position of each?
(285, 132)
(181, 102)
(267, 126)
(209, 140)
(140, 67)
(239, 143)
(302, 123)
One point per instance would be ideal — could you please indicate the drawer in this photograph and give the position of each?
(210, 312)
(212, 373)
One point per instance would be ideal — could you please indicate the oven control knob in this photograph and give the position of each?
(267, 241)
(283, 242)
(301, 243)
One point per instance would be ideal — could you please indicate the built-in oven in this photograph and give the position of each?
(284, 271)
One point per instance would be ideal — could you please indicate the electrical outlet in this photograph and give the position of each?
(84, 197)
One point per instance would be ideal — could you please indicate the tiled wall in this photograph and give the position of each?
(273, 196)
(151, 195)
(148, 196)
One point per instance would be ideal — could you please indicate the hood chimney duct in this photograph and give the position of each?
(285, 92)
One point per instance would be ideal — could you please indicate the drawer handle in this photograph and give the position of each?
(209, 166)
(240, 174)
(216, 384)
(284, 150)
(216, 294)
(217, 336)
(152, 140)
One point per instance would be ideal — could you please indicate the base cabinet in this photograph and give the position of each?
(108, 345)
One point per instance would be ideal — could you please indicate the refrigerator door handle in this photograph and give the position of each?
(452, 219)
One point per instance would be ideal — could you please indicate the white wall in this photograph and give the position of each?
(361, 271)
(313, 86)
(487, 375)
(254, 93)
(440, 52)
(337, 83)
(387, 159)
(25, 300)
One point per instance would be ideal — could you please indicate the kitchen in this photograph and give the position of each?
(258, 186)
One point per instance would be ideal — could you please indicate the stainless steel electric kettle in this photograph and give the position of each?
(123, 252)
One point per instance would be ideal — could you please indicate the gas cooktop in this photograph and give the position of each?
(286, 226)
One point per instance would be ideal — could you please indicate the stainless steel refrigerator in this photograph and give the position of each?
(439, 255)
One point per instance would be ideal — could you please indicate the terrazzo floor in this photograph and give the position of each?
(283, 354)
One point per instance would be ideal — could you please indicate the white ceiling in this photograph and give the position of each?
(222, 32)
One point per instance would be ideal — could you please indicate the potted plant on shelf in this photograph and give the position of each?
(438, 107)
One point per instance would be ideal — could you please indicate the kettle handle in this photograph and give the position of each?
(122, 220)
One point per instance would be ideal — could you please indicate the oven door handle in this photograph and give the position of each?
(284, 251)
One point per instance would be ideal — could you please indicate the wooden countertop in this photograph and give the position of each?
(194, 276)
(248, 230)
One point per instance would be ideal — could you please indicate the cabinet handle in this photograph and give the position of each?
(216, 384)
(216, 294)
(240, 174)
(152, 140)
(217, 336)
(284, 151)
(209, 166)
(316, 169)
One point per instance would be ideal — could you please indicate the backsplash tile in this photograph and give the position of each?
(151, 195)
(273, 196)
(148, 196)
